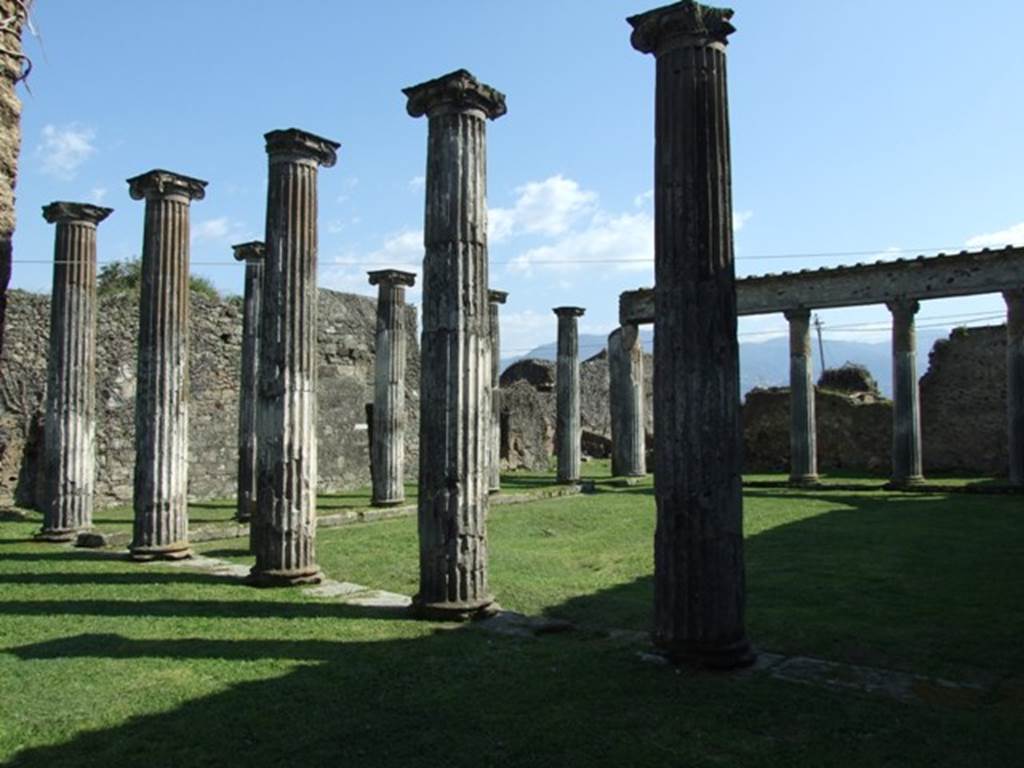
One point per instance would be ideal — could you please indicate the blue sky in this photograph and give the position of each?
(863, 127)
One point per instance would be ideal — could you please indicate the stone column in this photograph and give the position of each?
(803, 439)
(70, 443)
(626, 398)
(1015, 382)
(906, 411)
(495, 299)
(160, 529)
(283, 530)
(455, 376)
(567, 395)
(698, 550)
(387, 451)
(252, 254)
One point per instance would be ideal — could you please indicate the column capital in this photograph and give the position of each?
(457, 91)
(160, 183)
(61, 212)
(797, 313)
(569, 311)
(253, 251)
(681, 25)
(292, 143)
(497, 297)
(903, 307)
(392, 277)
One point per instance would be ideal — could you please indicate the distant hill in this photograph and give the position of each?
(766, 363)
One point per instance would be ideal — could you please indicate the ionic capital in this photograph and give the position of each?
(497, 297)
(159, 183)
(798, 314)
(61, 212)
(392, 277)
(252, 252)
(294, 144)
(569, 311)
(903, 309)
(681, 25)
(457, 91)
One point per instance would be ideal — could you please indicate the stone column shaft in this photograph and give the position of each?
(388, 429)
(906, 412)
(283, 530)
(698, 563)
(252, 254)
(455, 407)
(803, 439)
(626, 398)
(70, 443)
(495, 299)
(1015, 383)
(567, 395)
(162, 390)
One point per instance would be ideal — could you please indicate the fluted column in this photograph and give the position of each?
(252, 254)
(388, 436)
(495, 299)
(283, 530)
(160, 528)
(803, 439)
(698, 553)
(455, 375)
(70, 442)
(906, 411)
(626, 401)
(567, 395)
(1015, 383)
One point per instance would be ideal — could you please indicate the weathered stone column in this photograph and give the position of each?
(906, 411)
(252, 254)
(698, 553)
(70, 444)
(283, 530)
(162, 391)
(567, 395)
(803, 438)
(387, 452)
(1015, 382)
(626, 400)
(495, 299)
(455, 375)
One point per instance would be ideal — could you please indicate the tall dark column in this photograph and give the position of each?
(495, 299)
(906, 411)
(626, 401)
(283, 530)
(455, 376)
(567, 395)
(1015, 383)
(388, 432)
(698, 551)
(803, 439)
(252, 254)
(162, 391)
(70, 444)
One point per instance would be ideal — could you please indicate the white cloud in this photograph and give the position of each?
(524, 330)
(219, 229)
(740, 218)
(623, 242)
(418, 182)
(641, 200)
(548, 207)
(97, 194)
(65, 148)
(1011, 236)
(402, 250)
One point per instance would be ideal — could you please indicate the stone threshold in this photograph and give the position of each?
(983, 488)
(235, 530)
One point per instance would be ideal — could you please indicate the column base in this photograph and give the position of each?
(493, 491)
(59, 535)
(177, 551)
(735, 655)
(454, 611)
(905, 482)
(630, 480)
(387, 502)
(804, 481)
(283, 578)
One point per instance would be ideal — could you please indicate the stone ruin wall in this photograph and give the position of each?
(963, 414)
(346, 343)
(12, 16)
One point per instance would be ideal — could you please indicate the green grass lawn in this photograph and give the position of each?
(106, 662)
